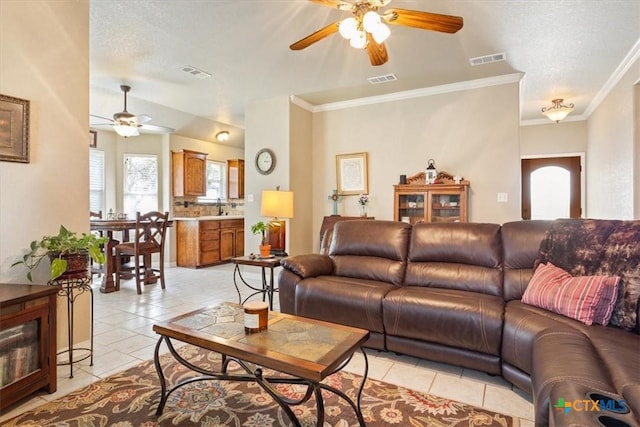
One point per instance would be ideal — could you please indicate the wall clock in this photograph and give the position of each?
(265, 161)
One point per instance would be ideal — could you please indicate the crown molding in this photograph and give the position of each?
(409, 94)
(620, 71)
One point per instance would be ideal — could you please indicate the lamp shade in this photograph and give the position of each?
(277, 204)
(558, 111)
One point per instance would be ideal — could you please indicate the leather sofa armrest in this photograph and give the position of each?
(308, 265)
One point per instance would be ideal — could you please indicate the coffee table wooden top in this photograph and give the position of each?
(306, 348)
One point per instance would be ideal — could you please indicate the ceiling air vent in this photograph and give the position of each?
(195, 72)
(488, 59)
(382, 79)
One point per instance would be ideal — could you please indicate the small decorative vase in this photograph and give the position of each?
(363, 210)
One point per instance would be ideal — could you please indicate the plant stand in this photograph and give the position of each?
(72, 288)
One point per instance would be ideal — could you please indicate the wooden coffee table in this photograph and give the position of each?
(307, 350)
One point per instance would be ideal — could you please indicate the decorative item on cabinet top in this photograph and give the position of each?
(441, 178)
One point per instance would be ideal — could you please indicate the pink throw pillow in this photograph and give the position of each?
(588, 299)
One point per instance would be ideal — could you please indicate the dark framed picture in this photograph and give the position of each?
(14, 129)
(93, 139)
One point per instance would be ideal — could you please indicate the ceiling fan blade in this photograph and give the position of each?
(338, 4)
(317, 36)
(424, 20)
(142, 118)
(156, 128)
(377, 52)
(101, 125)
(101, 118)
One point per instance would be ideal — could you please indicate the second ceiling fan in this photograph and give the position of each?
(366, 29)
(127, 124)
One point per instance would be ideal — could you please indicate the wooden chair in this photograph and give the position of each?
(150, 232)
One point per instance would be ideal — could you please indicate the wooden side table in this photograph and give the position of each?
(267, 288)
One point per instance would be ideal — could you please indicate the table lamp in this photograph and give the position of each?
(277, 205)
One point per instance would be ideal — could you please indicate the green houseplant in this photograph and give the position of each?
(262, 228)
(60, 249)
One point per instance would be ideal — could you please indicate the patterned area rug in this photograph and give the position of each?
(131, 397)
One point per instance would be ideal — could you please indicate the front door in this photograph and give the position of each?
(551, 188)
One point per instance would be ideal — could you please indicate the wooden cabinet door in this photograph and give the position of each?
(235, 179)
(227, 243)
(239, 242)
(189, 173)
(195, 166)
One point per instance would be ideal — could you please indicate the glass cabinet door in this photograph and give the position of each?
(19, 353)
(411, 208)
(445, 207)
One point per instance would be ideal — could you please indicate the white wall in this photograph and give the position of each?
(267, 126)
(553, 138)
(611, 151)
(53, 189)
(458, 130)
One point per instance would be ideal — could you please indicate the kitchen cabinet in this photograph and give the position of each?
(205, 242)
(27, 341)
(235, 179)
(197, 243)
(189, 173)
(231, 239)
(415, 203)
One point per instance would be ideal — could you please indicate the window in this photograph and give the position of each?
(96, 181)
(140, 183)
(216, 180)
(550, 193)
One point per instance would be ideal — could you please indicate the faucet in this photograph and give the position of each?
(219, 205)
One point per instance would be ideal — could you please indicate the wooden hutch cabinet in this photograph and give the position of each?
(235, 179)
(419, 202)
(27, 340)
(189, 169)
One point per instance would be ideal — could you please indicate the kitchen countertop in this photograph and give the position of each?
(209, 218)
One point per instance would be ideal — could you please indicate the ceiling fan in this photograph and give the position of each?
(126, 124)
(366, 29)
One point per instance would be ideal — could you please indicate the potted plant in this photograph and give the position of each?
(262, 228)
(68, 253)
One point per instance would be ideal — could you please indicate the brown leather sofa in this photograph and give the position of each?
(451, 292)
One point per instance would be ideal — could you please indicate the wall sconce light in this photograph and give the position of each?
(222, 136)
(277, 204)
(557, 111)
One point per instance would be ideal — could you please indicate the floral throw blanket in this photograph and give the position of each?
(586, 247)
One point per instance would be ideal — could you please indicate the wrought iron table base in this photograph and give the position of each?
(267, 290)
(313, 387)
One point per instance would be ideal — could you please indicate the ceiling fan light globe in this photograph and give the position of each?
(370, 21)
(381, 33)
(359, 40)
(126, 130)
(348, 27)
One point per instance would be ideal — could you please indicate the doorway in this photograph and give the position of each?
(551, 187)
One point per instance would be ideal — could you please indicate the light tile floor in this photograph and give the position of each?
(123, 338)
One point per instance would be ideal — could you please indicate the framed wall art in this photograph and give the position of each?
(14, 129)
(93, 139)
(352, 173)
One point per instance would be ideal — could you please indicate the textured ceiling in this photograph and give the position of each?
(565, 49)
